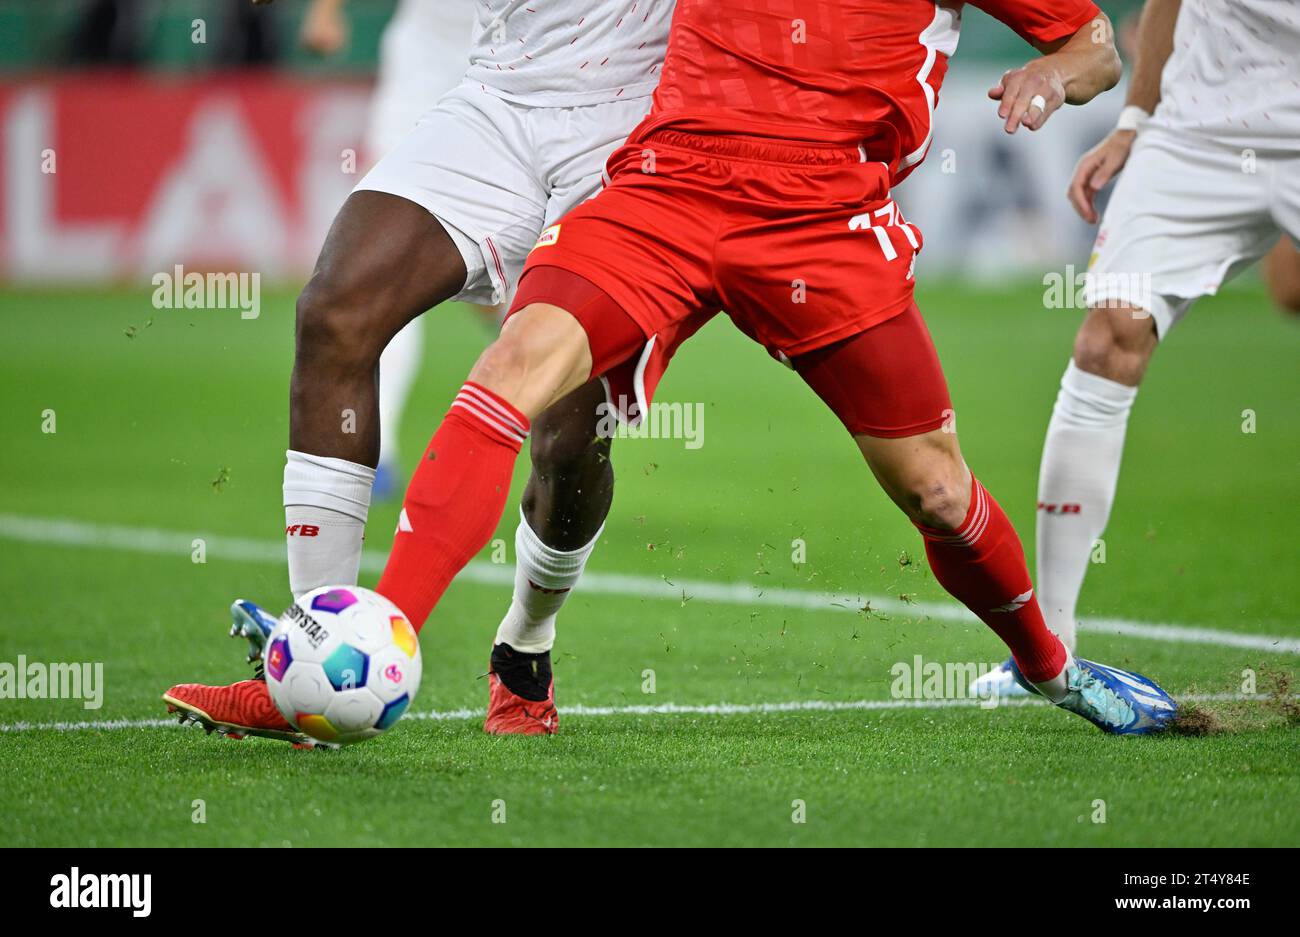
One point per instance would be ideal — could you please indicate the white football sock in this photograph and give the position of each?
(1058, 688)
(398, 367)
(325, 506)
(1076, 487)
(543, 579)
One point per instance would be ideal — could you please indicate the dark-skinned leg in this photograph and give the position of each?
(385, 261)
(564, 508)
(572, 485)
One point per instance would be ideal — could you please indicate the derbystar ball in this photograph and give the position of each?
(343, 664)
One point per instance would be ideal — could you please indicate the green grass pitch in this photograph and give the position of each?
(176, 421)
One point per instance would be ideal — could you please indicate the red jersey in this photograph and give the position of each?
(829, 71)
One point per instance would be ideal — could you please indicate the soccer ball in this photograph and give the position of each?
(342, 664)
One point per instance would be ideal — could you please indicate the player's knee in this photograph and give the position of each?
(566, 446)
(1115, 344)
(939, 501)
(333, 329)
(530, 360)
(567, 449)
(502, 362)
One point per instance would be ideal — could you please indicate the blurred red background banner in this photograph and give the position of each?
(116, 177)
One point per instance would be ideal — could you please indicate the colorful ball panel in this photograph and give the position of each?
(343, 664)
(404, 635)
(334, 600)
(278, 658)
(346, 668)
(392, 673)
(317, 726)
(392, 712)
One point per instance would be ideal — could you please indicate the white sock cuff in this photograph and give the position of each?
(546, 566)
(324, 482)
(1090, 401)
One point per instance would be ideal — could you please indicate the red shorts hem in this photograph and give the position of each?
(613, 334)
(625, 354)
(899, 432)
(597, 278)
(848, 329)
(883, 381)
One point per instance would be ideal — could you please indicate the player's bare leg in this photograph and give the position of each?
(976, 555)
(1282, 274)
(361, 293)
(886, 385)
(1080, 465)
(385, 261)
(562, 513)
(971, 545)
(459, 491)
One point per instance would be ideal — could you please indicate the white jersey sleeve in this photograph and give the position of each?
(564, 53)
(1234, 74)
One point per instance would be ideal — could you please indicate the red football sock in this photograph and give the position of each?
(454, 501)
(982, 564)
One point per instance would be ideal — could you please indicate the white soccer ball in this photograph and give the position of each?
(342, 664)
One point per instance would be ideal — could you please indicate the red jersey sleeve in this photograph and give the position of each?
(1041, 20)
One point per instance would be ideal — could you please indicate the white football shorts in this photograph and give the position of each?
(495, 174)
(1186, 216)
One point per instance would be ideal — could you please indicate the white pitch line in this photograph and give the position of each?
(652, 709)
(40, 530)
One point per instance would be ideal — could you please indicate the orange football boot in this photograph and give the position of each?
(521, 694)
(241, 709)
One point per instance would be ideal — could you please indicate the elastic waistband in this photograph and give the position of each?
(758, 149)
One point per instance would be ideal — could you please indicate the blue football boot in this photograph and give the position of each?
(250, 621)
(1114, 700)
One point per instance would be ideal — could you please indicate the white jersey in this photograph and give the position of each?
(1234, 74)
(565, 53)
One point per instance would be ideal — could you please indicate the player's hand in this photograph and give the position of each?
(1029, 95)
(1097, 167)
(324, 28)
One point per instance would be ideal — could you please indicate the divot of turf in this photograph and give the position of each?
(1195, 719)
(1281, 699)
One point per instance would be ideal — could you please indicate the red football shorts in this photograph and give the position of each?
(800, 244)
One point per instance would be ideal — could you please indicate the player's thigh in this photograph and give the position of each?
(885, 381)
(887, 387)
(1184, 218)
(572, 430)
(634, 265)
(541, 355)
(363, 289)
(470, 162)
